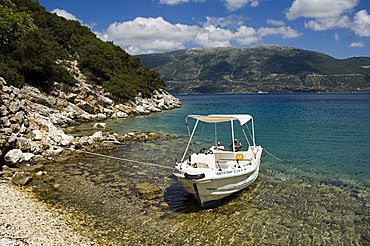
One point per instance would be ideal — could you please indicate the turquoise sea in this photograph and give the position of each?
(317, 134)
(319, 194)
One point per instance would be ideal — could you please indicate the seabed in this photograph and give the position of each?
(280, 208)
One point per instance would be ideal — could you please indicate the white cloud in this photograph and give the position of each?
(320, 9)
(336, 37)
(361, 24)
(356, 45)
(229, 21)
(175, 2)
(65, 14)
(275, 22)
(232, 5)
(326, 14)
(331, 14)
(246, 35)
(285, 32)
(330, 23)
(149, 35)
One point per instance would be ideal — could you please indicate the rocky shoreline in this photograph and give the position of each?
(32, 122)
(35, 128)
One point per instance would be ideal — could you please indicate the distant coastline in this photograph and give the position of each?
(261, 68)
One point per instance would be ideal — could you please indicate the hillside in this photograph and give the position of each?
(37, 45)
(264, 68)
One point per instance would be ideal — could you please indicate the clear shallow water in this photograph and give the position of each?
(318, 196)
(323, 135)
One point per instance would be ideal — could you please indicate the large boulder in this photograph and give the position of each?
(104, 101)
(97, 136)
(124, 108)
(60, 138)
(119, 114)
(14, 156)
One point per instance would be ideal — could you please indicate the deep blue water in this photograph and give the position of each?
(323, 135)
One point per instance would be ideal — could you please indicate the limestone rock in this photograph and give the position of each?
(119, 114)
(24, 144)
(15, 127)
(14, 156)
(101, 116)
(5, 121)
(85, 140)
(20, 117)
(6, 131)
(105, 101)
(14, 106)
(41, 173)
(97, 136)
(100, 125)
(3, 110)
(36, 135)
(28, 156)
(59, 137)
(54, 150)
(2, 81)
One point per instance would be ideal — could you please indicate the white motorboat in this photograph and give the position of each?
(214, 173)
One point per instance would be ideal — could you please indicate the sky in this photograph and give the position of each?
(340, 28)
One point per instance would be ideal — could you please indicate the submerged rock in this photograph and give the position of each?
(100, 125)
(148, 190)
(22, 178)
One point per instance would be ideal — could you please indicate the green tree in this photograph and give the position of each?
(13, 24)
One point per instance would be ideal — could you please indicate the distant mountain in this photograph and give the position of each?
(264, 68)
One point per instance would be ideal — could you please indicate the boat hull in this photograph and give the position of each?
(216, 189)
(216, 184)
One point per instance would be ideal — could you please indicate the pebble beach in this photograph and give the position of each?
(25, 221)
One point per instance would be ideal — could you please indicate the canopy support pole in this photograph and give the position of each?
(191, 137)
(245, 135)
(232, 135)
(216, 134)
(254, 141)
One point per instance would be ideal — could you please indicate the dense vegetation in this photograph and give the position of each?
(32, 40)
(264, 68)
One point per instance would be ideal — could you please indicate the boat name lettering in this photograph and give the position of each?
(229, 172)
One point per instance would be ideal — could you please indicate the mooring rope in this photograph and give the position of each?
(147, 163)
(123, 159)
(277, 158)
